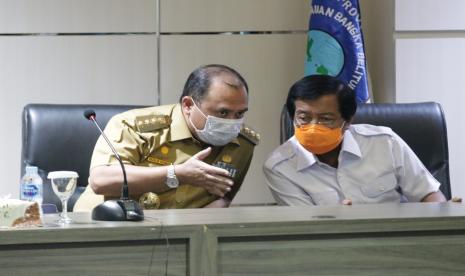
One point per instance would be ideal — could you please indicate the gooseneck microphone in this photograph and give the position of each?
(115, 210)
(90, 115)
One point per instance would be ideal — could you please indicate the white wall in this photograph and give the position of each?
(378, 25)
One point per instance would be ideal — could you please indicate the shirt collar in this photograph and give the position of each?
(306, 159)
(180, 130)
(350, 145)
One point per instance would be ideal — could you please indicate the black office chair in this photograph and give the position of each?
(421, 125)
(57, 137)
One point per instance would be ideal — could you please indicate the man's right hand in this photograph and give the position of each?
(198, 173)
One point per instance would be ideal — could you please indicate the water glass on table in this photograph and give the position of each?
(63, 184)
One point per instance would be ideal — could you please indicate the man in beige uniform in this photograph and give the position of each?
(192, 154)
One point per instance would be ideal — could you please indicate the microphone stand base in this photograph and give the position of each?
(118, 210)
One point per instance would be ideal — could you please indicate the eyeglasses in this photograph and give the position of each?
(328, 122)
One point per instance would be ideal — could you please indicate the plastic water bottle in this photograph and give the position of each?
(32, 185)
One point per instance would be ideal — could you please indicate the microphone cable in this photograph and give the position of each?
(167, 244)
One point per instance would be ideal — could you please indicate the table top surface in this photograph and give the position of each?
(264, 214)
(269, 214)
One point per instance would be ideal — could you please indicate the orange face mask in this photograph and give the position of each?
(318, 139)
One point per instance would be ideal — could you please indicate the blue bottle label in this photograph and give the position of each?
(30, 191)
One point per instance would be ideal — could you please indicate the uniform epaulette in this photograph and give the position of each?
(152, 122)
(371, 130)
(250, 134)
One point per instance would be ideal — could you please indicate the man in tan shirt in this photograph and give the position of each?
(192, 154)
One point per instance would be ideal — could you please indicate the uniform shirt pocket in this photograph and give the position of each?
(382, 186)
(325, 198)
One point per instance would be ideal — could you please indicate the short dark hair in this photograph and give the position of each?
(315, 86)
(200, 79)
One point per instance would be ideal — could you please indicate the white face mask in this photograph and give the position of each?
(218, 131)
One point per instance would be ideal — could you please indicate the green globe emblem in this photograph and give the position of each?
(324, 54)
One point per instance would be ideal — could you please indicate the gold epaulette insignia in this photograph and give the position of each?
(250, 135)
(152, 122)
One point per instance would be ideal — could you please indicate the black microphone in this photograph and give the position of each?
(115, 210)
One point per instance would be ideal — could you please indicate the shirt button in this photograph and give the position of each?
(381, 188)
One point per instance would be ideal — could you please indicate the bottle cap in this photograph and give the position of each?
(62, 174)
(31, 170)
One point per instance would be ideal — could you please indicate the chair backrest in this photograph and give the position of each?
(421, 125)
(57, 137)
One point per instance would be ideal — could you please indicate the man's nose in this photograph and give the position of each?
(232, 115)
(314, 121)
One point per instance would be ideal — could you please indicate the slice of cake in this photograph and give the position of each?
(19, 213)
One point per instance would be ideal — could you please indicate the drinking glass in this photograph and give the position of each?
(63, 184)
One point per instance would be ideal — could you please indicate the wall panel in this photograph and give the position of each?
(377, 25)
(429, 15)
(82, 16)
(233, 15)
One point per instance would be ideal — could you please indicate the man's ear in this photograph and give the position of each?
(187, 103)
(347, 124)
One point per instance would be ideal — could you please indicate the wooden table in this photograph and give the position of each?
(400, 239)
